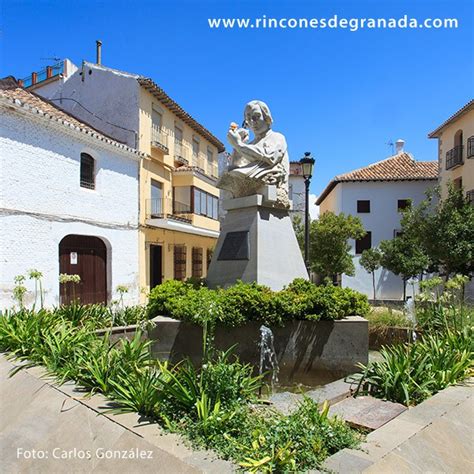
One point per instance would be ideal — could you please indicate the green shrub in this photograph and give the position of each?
(249, 302)
(410, 373)
(162, 294)
(244, 302)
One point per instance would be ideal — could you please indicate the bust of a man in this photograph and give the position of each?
(262, 161)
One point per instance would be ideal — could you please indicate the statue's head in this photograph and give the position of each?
(257, 117)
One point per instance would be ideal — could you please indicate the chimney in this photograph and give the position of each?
(399, 144)
(99, 52)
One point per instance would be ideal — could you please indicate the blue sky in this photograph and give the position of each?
(341, 95)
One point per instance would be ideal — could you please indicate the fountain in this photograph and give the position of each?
(268, 358)
(411, 315)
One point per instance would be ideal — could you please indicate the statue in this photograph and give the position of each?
(263, 161)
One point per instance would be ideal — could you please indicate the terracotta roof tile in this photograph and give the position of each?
(401, 167)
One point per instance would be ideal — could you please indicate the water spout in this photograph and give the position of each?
(268, 358)
(411, 315)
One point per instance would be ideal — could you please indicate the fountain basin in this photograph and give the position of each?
(309, 352)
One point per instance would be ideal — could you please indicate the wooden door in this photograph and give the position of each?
(156, 265)
(85, 256)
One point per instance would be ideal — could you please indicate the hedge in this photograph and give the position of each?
(253, 302)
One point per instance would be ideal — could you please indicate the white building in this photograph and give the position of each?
(69, 203)
(296, 190)
(376, 194)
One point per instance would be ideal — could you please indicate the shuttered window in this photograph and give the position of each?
(87, 171)
(179, 262)
(197, 262)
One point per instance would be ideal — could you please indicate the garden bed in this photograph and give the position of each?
(306, 350)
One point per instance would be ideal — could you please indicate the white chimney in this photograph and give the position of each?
(399, 144)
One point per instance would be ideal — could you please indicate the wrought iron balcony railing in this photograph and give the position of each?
(454, 157)
(166, 208)
(159, 138)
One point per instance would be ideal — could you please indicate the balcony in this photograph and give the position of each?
(181, 153)
(40, 76)
(159, 139)
(454, 157)
(168, 209)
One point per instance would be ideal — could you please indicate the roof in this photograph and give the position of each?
(400, 167)
(11, 93)
(466, 108)
(166, 100)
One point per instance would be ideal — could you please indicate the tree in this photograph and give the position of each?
(298, 227)
(370, 261)
(444, 228)
(329, 249)
(404, 257)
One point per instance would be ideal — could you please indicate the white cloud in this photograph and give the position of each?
(313, 209)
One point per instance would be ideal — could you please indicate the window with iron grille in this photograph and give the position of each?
(363, 206)
(470, 147)
(197, 262)
(87, 171)
(209, 257)
(179, 262)
(364, 243)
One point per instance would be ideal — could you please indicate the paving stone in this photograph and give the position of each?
(347, 461)
(443, 446)
(332, 392)
(286, 402)
(158, 462)
(366, 412)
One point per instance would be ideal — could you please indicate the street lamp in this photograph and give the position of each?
(307, 163)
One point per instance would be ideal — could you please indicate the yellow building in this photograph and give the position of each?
(178, 204)
(178, 198)
(456, 150)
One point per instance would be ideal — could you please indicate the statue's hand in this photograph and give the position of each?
(233, 137)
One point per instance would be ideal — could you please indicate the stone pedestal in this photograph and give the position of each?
(257, 243)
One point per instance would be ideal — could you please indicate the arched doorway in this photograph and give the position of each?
(85, 256)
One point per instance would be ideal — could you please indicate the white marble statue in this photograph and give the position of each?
(263, 161)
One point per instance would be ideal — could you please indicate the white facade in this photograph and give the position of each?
(115, 94)
(296, 190)
(42, 202)
(382, 221)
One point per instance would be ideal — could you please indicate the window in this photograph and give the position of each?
(210, 162)
(209, 257)
(196, 152)
(457, 183)
(178, 136)
(197, 262)
(179, 262)
(364, 243)
(205, 204)
(87, 171)
(403, 204)
(156, 201)
(470, 197)
(363, 206)
(470, 147)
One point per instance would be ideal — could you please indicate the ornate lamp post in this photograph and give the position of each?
(307, 164)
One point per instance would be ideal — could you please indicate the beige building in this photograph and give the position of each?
(178, 205)
(456, 150)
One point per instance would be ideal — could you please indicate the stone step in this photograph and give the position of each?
(333, 392)
(366, 412)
